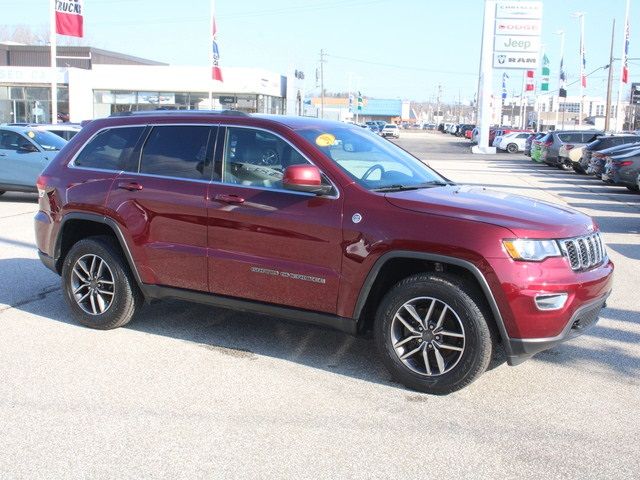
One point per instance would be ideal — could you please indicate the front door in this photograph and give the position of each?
(266, 243)
(161, 202)
(21, 161)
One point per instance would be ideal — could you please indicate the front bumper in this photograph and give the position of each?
(582, 320)
(48, 261)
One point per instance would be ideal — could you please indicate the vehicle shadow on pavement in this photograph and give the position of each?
(15, 197)
(245, 335)
(223, 331)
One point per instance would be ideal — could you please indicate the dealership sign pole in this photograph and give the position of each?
(486, 79)
(510, 40)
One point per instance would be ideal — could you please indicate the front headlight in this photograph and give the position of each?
(532, 250)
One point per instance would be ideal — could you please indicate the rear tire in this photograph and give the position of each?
(98, 284)
(565, 164)
(450, 351)
(2, 192)
(634, 188)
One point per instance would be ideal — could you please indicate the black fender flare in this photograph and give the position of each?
(96, 218)
(470, 267)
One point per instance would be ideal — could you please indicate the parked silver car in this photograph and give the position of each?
(24, 152)
(570, 139)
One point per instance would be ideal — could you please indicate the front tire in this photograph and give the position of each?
(2, 192)
(512, 148)
(98, 285)
(432, 335)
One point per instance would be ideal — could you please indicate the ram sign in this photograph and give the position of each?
(528, 61)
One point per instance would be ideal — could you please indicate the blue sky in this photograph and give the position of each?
(392, 48)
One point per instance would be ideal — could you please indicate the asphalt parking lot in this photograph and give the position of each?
(188, 391)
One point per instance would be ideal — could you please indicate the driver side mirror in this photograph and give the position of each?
(28, 148)
(305, 178)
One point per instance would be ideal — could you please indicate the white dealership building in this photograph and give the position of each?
(94, 83)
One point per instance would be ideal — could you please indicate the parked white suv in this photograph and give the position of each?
(391, 130)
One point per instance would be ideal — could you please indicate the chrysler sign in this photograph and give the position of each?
(519, 10)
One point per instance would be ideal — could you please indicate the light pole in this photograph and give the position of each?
(561, 34)
(624, 54)
(580, 17)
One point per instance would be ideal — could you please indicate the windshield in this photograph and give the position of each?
(48, 141)
(373, 162)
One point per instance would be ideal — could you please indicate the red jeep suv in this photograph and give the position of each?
(320, 222)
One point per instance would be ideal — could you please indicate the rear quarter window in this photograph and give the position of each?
(570, 137)
(109, 149)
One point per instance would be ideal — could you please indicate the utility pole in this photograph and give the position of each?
(607, 112)
(322, 60)
(438, 104)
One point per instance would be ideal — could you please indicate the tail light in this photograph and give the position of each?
(41, 185)
(626, 163)
(548, 144)
(569, 147)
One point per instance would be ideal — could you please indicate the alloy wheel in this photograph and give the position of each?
(427, 336)
(92, 284)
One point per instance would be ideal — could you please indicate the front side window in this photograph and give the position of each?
(178, 151)
(110, 149)
(371, 161)
(11, 140)
(257, 158)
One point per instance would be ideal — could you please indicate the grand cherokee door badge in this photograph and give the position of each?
(294, 276)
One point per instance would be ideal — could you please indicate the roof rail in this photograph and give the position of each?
(163, 111)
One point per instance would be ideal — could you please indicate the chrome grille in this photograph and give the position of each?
(583, 252)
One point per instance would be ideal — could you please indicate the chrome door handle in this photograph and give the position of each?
(131, 186)
(221, 197)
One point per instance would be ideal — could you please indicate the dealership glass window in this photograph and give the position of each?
(107, 102)
(32, 104)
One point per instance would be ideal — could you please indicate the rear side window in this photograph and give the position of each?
(178, 151)
(589, 137)
(109, 149)
(523, 135)
(570, 137)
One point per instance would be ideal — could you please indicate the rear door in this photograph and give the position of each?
(266, 243)
(161, 204)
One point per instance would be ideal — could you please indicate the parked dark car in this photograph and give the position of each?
(318, 222)
(601, 143)
(623, 169)
(598, 159)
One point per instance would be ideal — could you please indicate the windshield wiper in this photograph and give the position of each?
(417, 186)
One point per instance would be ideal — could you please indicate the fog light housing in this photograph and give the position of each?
(551, 301)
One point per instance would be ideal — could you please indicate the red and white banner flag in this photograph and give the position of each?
(216, 73)
(625, 58)
(530, 85)
(69, 14)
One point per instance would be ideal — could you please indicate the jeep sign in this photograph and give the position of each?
(509, 43)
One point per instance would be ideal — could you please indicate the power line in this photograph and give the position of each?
(405, 67)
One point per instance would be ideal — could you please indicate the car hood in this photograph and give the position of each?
(525, 217)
